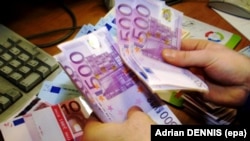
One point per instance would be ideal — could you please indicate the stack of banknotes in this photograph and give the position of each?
(58, 113)
(46, 122)
(207, 112)
(118, 65)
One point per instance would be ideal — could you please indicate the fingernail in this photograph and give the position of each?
(135, 108)
(169, 53)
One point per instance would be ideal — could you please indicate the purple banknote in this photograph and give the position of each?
(96, 68)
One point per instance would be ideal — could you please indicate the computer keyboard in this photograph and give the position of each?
(23, 68)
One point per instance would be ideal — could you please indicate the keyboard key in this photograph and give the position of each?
(6, 70)
(30, 81)
(4, 102)
(23, 57)
(33, 63)
(43, 70)
(13, 40)
(47, 60)
(15, 51)
(1, 63)
(15, 63)
(13, 95)
(15, 77)
(6, 45)
(6, 57)
(24, 70)
(28, 48)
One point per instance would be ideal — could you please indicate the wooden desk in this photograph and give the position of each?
(37, 18)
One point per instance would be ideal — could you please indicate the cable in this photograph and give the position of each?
(172, 2)
(71, 29)
(52, 32)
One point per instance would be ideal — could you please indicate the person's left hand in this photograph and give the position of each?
(135, 128)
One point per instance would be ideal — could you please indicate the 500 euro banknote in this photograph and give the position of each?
(96, 68)
(144, 29)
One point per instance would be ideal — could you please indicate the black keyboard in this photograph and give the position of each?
(23, 68)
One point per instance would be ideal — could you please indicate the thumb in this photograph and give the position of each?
(136, 113)
(133, 110)
(182, 58)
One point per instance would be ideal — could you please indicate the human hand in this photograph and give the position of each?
(226, 72)
(135, 128)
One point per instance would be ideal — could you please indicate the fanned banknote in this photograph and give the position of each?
(109, 22)
(96, 68)
(144, 28)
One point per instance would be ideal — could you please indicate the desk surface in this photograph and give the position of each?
(46, 16)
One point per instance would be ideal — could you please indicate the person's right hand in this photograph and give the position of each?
(226, 72)
(135, 128)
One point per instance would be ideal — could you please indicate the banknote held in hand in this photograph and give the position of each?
(115, 71)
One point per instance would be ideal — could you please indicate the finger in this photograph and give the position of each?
(194, 52)
(136, 113)
(91, 127)
(196, 58)
(196, 44)
(95, 130)
(93, 120)
(133, 110)
(231, 96)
